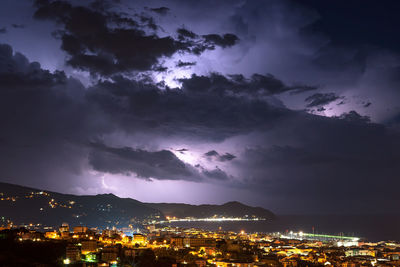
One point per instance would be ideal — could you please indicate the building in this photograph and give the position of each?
(177, 241)
(89, 246)
(109, 254)
(110, 232)
(51, 235)
(64, 228)
(32, 235)
(193, 242)
(199, 242)
(80, 229)
(360, 252)
(138, 239)
(64, 235)
(129, 252)
(73, 254)
(232, 246)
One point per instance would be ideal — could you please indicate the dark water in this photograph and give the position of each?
(369, 227)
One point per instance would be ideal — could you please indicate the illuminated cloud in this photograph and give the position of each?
(107, 43)
(206, 99)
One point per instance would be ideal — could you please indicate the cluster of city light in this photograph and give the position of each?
(7, 198)
(201, 244)
(52, 203)
(212, 219)
(302, 235)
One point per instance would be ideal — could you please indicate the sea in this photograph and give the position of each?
(371, 228)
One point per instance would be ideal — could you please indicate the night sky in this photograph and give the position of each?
(289, 105)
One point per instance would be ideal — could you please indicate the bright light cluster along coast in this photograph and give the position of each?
(174, 246)
(216, 219)
(177, 133)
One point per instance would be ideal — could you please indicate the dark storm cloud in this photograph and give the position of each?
(367, 104)
(41, 116)
(211, 153)
(16, 72)
(185, 33)
(214, 155)
(216, 174)
(182, 150)
(209, 113)
(182, 64)
(3, 30)
(141, 105)
(320, 99)
(149, 22)
(162, 165)
(94, 45)
(30, 85)
(43, 112)
(55, 110)
(358, 38)
(286, 159)
(106, 43)
(226, 157)
(307, 41)
(159, 68)
(206, 42)
(333, 163)
(313, 161)
(353, 116)
(258, 85)
(226, 40)
(212, 40)
(160, 10)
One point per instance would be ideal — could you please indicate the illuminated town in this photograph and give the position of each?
(160, 245)
(156, 241)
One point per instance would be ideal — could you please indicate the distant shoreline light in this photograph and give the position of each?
(229, 219)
